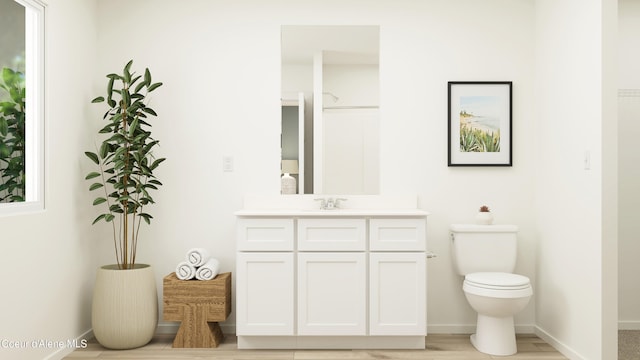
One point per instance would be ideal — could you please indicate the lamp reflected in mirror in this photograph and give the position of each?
(288, 181)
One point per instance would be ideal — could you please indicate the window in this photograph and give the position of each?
(21, 106)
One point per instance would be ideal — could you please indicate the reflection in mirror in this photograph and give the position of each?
(335, 68)
(21, 99)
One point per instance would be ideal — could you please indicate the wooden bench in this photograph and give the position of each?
(199, 305)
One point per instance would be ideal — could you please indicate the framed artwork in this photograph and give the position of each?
(479, 123)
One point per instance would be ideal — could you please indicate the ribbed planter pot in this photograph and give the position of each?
(124, 314)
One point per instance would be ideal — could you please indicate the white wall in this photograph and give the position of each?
(48, 259)
(220, 62)
(629, 172)
(576, 207)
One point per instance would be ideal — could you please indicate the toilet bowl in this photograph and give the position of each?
(496, 297)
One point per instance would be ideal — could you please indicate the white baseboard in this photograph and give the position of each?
(558, 345)
(628, 325)
(73, 344)
(471, 328)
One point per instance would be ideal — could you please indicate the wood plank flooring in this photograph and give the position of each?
(439, 347)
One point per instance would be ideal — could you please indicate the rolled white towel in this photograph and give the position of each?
(209, 270)
(198, 256)
(185, 271)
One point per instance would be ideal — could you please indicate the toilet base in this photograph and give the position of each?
(495, 336)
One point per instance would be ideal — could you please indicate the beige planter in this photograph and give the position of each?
(124, 314)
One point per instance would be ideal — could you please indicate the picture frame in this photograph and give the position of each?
(480, 123)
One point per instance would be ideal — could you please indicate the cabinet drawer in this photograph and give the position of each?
(331, 234)
(397, 234)
(265, 234)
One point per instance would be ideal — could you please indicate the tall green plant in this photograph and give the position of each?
(126, 161)
(12, 136)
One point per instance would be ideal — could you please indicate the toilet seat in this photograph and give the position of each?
(497, 284)
(498, 280)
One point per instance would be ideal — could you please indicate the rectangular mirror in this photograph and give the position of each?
(336, 69)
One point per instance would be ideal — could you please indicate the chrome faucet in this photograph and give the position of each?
(330, 203)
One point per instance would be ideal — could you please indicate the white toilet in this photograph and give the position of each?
(486, 256)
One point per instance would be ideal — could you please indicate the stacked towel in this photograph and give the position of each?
(185, 271)
(198, 256)
(209, 270)
(198, 265)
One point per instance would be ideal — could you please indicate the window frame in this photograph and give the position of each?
(34, 109)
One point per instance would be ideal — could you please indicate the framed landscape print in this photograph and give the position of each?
(479, 123)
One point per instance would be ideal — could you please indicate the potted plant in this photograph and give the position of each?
(484, 216)
(125, 304)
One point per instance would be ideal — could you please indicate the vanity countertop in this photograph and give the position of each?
(331, 213)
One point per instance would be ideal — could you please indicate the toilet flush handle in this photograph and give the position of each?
(431, 255)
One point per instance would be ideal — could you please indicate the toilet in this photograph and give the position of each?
(486, 256)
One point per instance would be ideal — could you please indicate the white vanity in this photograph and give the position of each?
(353, 277)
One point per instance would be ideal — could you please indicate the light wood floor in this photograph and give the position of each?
(439, 347)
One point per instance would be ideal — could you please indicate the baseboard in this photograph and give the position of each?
(558, 345)
(71, 345)
(628, 325)
(471, 328)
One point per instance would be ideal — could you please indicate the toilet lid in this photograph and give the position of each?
(497, 280)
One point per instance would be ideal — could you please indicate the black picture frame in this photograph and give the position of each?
(480, 123)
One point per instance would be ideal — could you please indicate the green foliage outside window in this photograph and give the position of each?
(12, 136)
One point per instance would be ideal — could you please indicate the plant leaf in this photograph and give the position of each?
(147, 77)
(156, 163)
(93, 157)
(99, 200)
(92, 175)
(102, 216)
(154, 86)
(95, 186)
(147, 218)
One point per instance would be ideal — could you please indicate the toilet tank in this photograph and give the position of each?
(481, 248)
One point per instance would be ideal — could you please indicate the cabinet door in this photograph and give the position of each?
(397, 294)
(332, 294)
(264, 294)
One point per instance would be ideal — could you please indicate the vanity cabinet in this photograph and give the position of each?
(321, 281)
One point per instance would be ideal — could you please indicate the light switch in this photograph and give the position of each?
(227, 163)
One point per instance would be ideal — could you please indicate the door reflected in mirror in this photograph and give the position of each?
(330, 109)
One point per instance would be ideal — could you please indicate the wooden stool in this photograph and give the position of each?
(199, 305)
